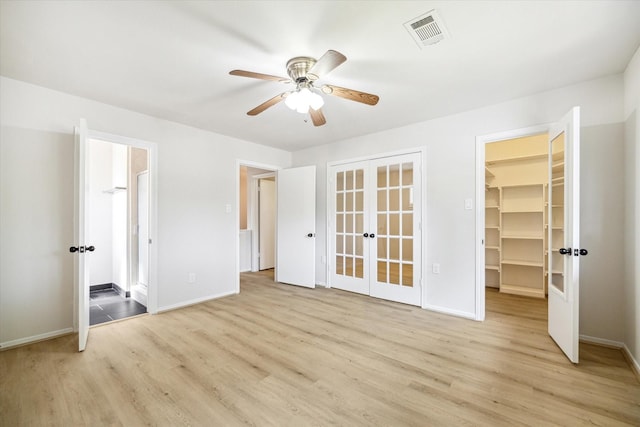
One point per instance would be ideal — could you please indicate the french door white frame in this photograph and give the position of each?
(422, 220)
(481, 142)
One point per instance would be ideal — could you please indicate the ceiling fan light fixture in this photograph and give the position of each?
(302, 99)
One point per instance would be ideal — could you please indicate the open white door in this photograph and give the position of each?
(564, 233)
(267, 221)
(81, 278)
(296, 225)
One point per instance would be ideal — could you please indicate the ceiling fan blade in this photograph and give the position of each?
(273, 101)
(317, 117)
(251, 74)
(353, 95)
(327, 62)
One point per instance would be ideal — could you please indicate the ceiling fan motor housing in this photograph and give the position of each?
(298, 67)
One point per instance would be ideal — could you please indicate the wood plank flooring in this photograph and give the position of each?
(279, 355)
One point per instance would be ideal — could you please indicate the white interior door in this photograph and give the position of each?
(296, 224)
(267, 223)
(396, 254)
(564, 233)
(143, 228)
(374, 228)
(81, 278)
(348, 225)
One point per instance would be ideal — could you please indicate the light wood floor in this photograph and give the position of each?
(279, 355)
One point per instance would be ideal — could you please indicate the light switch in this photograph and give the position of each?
(227, 208)
(468, 204)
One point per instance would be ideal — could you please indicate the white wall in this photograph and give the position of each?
(119, 268)
(632, 211)
(450, 178)
(196, 179)
(101, 212)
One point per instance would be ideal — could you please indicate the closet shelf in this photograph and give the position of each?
(522, 237)
(522, 262)
(515, 211)
(492, 267)
(516, 159)
(115, 190)
(520, 290)
(495, 248)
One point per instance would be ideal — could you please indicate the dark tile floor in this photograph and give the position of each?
(106, 305)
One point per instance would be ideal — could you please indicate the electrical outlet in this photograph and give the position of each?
(192, 278)
(435, 268)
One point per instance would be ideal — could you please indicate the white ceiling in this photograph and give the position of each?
(172, 59)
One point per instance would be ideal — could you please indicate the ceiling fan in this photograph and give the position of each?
(303, 72)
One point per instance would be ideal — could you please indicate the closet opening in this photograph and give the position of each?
(516, 221)
(119, 228)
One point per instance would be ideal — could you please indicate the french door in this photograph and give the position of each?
(564, 233)
(374, 225)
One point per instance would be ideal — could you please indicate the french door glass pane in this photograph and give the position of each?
(349, 223)
(556, 200)
(394, 229)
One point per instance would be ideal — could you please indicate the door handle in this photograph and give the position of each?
(365, 235)
(564, 251)
(82, 249)
(583, 252)
(372, 235)
(310, 235)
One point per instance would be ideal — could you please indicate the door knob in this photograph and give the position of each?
(73, 249)
(372, 235)
(91, 248)
(564, 251)
(310, 235)
(365, 235)
(583, 252)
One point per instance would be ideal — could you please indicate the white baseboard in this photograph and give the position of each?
(195, 301)
(35, 338)
(635, 366)
(601, 341)
(632, 361)
(450, 312)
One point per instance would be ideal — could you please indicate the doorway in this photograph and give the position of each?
(516, 198)
(118, 270)
(256, 218)
(519, 218)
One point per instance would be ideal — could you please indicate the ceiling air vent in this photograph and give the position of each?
(427, 29)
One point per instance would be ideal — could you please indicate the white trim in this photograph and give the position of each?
(450, 312)
(251, 164)
(152, 148)
(632, 360)
(601, 341)
(481, 141)
(195, 301)
(635, 366)
(35, 338)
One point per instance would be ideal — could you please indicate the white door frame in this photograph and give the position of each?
(423, 220)
(152, 149)
(481, 142)
(252, 194)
